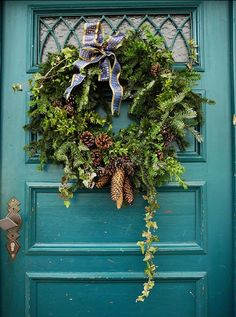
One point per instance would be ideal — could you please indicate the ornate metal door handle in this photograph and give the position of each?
(12, 224)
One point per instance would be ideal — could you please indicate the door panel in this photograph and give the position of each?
(84, 261)
(75, 226)
(81, 295)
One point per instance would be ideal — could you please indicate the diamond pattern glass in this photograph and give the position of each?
(58, 32)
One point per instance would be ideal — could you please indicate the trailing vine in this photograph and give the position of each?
(77, 132)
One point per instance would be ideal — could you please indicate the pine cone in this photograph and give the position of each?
(110, 169)
(102, 181)
(160, 155)
(101, 171)
(103, 141)
(155, 69)
(114, 164)
(87, 138)
(119, 162)
(119, 201)
(70, 110)
(168, 137)
(70, 106)
(117, 183)
(126, 159)
(96, 157)
(57, 103)
(128, 165)
(70, 101)
(128, 191)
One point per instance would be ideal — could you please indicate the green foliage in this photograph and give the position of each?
(163, 108)
(17, 87)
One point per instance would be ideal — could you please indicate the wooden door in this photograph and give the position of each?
(84, 261)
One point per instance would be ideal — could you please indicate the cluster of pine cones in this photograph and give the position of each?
(96, 145)
(118, 173)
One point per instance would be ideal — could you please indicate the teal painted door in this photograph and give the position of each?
(83, 261)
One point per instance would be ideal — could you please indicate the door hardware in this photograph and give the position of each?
(234, 119)
(12, 224)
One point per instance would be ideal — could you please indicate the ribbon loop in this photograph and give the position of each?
(95, 50)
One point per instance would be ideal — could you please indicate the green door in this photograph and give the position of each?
(83, 261)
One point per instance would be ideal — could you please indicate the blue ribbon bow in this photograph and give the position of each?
(95, 50)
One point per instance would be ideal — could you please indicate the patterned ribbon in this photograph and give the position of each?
(95, 50)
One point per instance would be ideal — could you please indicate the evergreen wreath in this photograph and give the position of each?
(76, 132)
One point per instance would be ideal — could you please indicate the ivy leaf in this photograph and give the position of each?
(141, 244)
(140, 298)
(37, 76)
(17, 87)
(67, 203)
(148, 256)
(153, 249)
(67, 52)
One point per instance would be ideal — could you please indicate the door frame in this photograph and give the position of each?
(232, 30)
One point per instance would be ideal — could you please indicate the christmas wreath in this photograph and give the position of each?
(74, 124)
